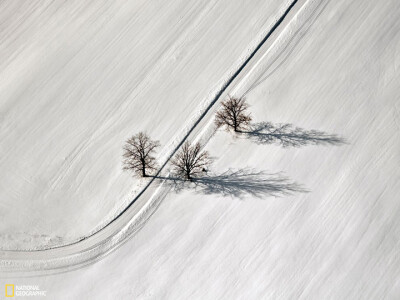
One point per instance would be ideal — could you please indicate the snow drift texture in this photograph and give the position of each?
(77, 79)
(306, 211)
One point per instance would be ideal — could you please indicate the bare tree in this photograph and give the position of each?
(233, 114)
(191, 161)
(138, 154)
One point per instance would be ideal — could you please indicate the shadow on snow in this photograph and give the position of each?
(258, 184)
(239, 183)
(288, 136)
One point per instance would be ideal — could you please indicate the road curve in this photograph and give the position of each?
(95, 246)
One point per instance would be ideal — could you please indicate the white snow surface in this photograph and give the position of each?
(336, 235)
(79, 78)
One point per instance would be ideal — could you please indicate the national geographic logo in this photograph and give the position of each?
(24, 291)
(8, 288)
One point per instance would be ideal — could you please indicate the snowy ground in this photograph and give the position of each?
(78, 79)
(336, 235)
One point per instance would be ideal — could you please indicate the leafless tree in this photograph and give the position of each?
(233, 114)
(190, 161)
(139, 154)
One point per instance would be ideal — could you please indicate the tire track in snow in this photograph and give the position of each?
(213, 102)
(89, 255)
(193, 127)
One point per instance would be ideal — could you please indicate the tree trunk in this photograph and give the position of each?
(144, 171)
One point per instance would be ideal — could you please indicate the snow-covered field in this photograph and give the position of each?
(77, 79)
(309, 215)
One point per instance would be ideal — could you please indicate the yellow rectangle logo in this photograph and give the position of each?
(7, 294)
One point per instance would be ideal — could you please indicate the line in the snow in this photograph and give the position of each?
(216, 98)
(197, 122)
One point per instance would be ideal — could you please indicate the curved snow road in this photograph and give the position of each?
(92, 248)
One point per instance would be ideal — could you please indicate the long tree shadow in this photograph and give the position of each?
(239, 183)
(288, 136)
